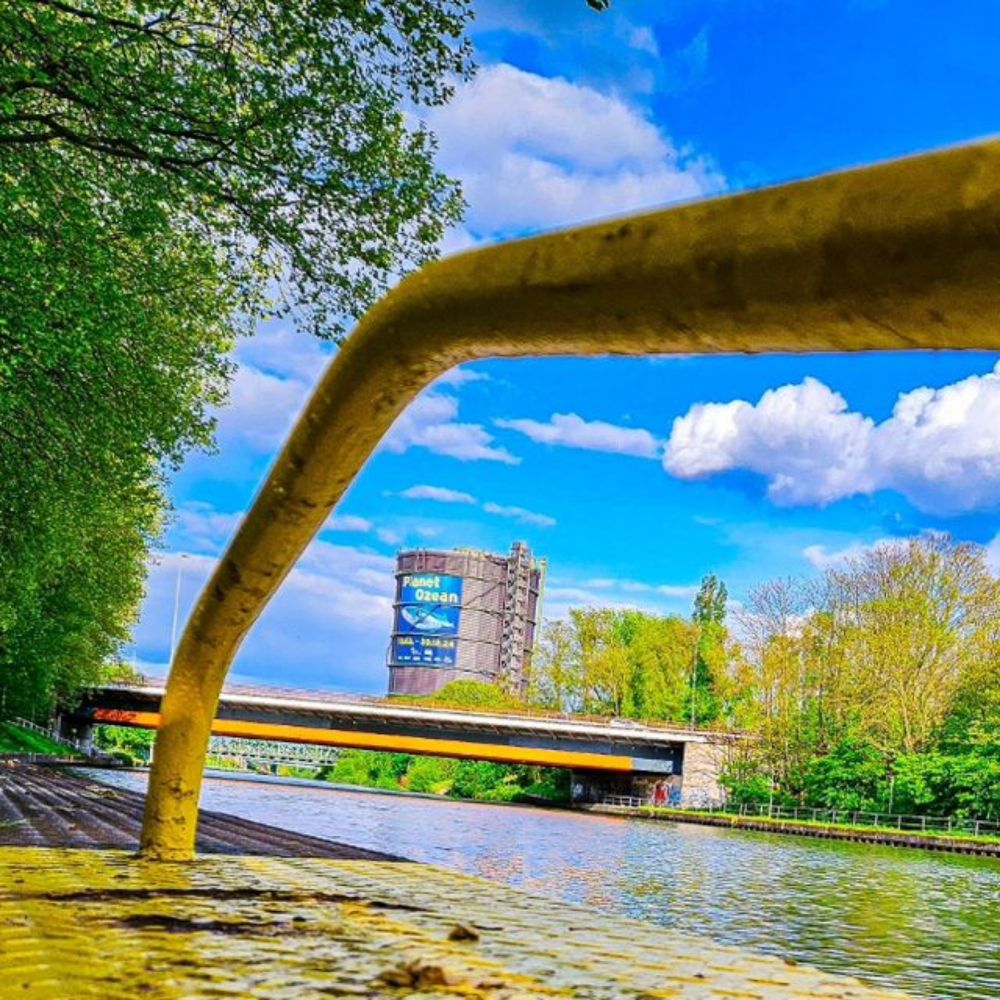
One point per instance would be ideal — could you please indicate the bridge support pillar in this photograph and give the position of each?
(76, 729)
(702, 773)
(595, 786)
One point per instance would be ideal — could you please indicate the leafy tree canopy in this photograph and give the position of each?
(275, 131)
(169, 174)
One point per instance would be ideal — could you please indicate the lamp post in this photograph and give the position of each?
(177, 604)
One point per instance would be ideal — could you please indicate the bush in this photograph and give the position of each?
(851, 776)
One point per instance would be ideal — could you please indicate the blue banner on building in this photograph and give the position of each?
(428, 616)
(424, 650)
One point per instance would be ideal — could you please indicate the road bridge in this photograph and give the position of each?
(606, 756)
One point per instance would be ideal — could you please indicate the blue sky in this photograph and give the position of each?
(635, 477)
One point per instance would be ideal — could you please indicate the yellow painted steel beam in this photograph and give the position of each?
(427, 746)
(899, 256)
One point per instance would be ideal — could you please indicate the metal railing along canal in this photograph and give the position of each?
(953, 825)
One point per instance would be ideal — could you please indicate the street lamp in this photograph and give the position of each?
(177, 603)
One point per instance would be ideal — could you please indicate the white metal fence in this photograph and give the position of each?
(955, 825)
(54, 736)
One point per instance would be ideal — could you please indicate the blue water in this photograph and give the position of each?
(920, 921)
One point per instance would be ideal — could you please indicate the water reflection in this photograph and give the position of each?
(915, 920)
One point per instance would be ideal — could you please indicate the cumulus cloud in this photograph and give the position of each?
(276, 371)
(993, 555)
(200, 527)
(275, 375)
(327, 627)
(261, 410)
(429, 422)
(535, 152)
(822, 557)
(442, 494)
(347, 522)
(439, 493)
(940, 448)
(572, 431)
(277, 347)
(520, 515)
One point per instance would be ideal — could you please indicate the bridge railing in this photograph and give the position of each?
(902, 822)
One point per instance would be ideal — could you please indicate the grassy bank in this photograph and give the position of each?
(14, 739)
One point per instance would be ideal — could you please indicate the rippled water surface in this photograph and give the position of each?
(920, 921)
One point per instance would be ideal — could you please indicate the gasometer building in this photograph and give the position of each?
(464, 615)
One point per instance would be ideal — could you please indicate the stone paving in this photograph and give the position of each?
(85, 923)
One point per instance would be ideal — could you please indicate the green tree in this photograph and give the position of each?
(709, 654)
(472, 694)
(556, 681)
(168, 177)
(710, 601)
(879, 685)
(272, 132)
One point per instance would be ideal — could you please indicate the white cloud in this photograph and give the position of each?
(261, 410)
(429, 422)
(327, 627)
(276, 371)
(642, 39)
(199, 526)
(457, 377)
(347, 522)
(671, 590)
(278, 348)
(940, 448)
(441, 494)
(520, 514)
(535, 152)
(622, 594)
(572, 431)
(993, 555)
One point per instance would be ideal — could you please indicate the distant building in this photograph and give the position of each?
(464, 615)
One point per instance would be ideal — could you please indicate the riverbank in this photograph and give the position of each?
(882, 836)
(983, 846)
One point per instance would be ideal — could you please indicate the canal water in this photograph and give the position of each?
(919, 921)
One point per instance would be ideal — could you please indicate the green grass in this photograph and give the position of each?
(749, 822)
(13, 739)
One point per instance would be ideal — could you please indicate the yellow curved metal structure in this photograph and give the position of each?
(900, 256)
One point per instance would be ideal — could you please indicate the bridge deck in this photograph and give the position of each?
(104, 924)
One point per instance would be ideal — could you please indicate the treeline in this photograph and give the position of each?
(166, 182)
(636, 665)
(875, 686)
(460, 779)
